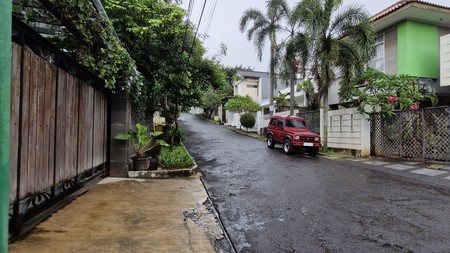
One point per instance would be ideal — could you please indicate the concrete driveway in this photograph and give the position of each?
(119, 215)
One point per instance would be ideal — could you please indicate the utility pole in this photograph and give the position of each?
(5, 114)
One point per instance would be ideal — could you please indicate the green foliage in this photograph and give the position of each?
(308, 88)
(212, 101)
(242, 104)
(166, 53)
(265, 27)
(176, 159)
(248, 120)
(326, 23)
(281, 100)
(176, 133)
(380, 94)
(141, 140)
(89, 38)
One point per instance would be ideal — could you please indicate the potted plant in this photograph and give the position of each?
(141, 142)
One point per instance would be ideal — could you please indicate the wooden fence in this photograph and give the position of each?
(59, 132)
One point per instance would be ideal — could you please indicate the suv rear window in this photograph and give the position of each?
(294, 123)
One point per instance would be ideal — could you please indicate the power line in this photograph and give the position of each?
(189, 12)
(211, 16)
(196, 31)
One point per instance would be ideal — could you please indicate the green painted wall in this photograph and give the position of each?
(418, 49)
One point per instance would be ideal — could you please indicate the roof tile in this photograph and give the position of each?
(399, 5)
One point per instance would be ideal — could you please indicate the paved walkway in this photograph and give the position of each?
(433, 173)
(120, 215)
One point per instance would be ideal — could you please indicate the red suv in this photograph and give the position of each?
(293, 133)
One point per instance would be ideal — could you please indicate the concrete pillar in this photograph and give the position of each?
(365, 135)
(121, 121)
(259, 119)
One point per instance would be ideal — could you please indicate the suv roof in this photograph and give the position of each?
(287, 116)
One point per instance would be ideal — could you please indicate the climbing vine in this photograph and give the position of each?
(88, 37)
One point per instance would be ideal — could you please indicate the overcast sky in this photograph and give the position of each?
(224, 27)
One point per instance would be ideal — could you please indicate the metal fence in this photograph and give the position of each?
(313, 120)
(416, 134)
(59, 126)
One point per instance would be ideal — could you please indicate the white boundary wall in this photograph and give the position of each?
(349, 129)
(234, 119)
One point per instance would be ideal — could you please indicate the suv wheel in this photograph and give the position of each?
(270, 142)
(287, 147)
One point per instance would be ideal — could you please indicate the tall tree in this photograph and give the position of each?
(294, 52)
(167, 54)
(265, 27)
(341, 39)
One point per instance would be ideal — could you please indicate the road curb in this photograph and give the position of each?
(216, 213)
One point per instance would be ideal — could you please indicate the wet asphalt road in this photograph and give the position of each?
(270, 202)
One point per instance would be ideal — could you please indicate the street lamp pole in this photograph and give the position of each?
(5, 105)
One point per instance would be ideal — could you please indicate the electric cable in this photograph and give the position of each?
(196, 31)
(211, 16)
(189, 12)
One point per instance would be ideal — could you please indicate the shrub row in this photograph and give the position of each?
(176, 159)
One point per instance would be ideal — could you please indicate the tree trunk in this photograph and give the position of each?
(273, 44)
(324, 103)
(210, 112)
(292, 84)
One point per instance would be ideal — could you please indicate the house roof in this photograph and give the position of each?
(252, 74)
(416, 10)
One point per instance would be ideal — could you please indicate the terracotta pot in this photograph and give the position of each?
(141, 163)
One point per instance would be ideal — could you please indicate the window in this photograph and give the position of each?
(295, 123)
(273, 122)
(280, 123)
(253, 86)
(378, 61)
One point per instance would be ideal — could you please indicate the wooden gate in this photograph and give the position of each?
(59, 126)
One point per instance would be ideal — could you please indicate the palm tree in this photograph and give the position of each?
(265, 27)
(296, 59)
(296, 52)
(341, 39)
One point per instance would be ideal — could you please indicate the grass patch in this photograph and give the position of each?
(263, 139)
(177, 159)
(336, 154)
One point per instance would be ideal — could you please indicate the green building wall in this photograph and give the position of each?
(418, 49)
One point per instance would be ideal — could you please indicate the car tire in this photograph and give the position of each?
(313, 152)
(287, 147)
(270, 141)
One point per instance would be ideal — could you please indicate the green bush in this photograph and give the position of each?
(176, 159)
(248, 120)
(177, 133)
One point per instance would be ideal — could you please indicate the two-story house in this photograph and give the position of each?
(408, 42)
(409, 35)
(256, 84)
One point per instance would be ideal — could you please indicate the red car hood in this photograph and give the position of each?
(301, 132)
